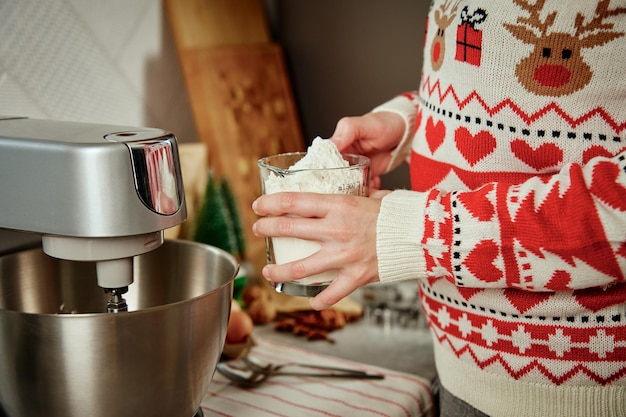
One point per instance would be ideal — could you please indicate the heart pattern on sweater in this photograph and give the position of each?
(595, 151)
(476, 147)
(544, 156)
(522, 302)
(481, 261)
(435, 133)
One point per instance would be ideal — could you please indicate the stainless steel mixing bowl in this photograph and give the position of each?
(61, 355)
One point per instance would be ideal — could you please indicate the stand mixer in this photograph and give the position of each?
(100, 197)
(94, 192)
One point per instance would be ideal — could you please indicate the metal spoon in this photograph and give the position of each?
(249, 374)
(256, 366)
(245, 378)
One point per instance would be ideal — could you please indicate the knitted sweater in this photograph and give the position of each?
(516, 221)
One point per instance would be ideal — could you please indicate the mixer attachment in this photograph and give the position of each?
(116, 303)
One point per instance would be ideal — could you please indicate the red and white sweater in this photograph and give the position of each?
(516, 224)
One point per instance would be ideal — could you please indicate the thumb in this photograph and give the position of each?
(342, 136)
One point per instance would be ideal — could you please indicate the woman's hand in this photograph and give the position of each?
(344, 225)
(374, 135)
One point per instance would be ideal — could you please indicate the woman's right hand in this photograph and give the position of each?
(374, 135)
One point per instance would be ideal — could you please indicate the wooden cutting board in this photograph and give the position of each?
(202, 23)
(240, 94)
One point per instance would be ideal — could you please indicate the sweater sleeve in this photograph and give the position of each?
(405, 106)
(399, 232)
(557, 233)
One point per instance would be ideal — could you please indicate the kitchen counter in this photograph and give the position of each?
(378, 338)
(400, 349)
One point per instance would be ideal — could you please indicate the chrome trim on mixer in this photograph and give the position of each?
(158, 179)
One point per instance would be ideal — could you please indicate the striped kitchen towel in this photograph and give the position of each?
(397, 395)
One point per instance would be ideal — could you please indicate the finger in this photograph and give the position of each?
(301, 204)
(319, 262)
(286, 272)
(379, 193)
(374, 183)
(354, 134)
(288, 226)
(344, 134)
(283, 203)
(379, 164)
(339, 289)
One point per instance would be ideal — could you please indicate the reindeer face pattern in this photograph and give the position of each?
(444, 16)
(556, 66)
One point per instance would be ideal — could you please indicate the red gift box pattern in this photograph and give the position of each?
(469, 39)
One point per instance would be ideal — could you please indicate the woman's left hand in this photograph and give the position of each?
(345, 227)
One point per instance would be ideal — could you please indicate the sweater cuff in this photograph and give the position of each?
(404, 107)
(399, 232)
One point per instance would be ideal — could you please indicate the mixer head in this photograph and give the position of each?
(94, 192)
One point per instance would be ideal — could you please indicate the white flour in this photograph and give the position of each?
(324, 170)
(316, 172)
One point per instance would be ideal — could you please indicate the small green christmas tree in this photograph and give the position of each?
(233, 211)
(215, 225)
(218, 224)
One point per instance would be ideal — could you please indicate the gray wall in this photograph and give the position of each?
(347, 56)
(90, 61)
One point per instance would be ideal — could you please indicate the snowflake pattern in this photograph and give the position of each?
(523, 338)
(601, 344)
(559, 343)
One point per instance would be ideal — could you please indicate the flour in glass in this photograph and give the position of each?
(323, 170)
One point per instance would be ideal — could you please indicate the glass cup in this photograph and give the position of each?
(277, 176)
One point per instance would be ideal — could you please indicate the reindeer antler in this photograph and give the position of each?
(442, 17)
(534, 19)
(597, 23)
(446, 4)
